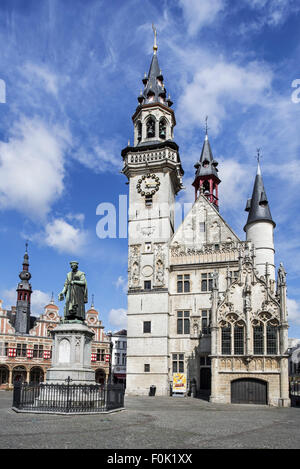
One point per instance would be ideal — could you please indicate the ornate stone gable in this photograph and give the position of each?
(203, 225)
(248, 298)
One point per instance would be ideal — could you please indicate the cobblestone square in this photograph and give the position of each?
(154, 422)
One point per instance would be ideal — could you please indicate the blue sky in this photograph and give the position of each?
(73, 71)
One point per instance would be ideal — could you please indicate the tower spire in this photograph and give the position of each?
(24, 291)
(206, 175)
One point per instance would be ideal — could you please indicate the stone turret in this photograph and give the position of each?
(260, 227)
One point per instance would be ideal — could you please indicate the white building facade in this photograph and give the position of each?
(201, 302)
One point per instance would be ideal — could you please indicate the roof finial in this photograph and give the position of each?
(258, 157)
(155, 34)
(92, 304)
(52, 299)
(206, 128)
(26, 247)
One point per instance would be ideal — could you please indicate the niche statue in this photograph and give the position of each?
(75, 293)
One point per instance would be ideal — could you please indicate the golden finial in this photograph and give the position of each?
(155, 33)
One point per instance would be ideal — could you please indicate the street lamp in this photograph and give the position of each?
(109, 334)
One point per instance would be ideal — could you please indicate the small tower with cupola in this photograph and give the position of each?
(24, 291)
(206, 175)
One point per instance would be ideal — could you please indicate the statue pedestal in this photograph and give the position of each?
(71, 354)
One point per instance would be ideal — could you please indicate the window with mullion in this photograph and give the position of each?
(183, 322)
(206, 282)
(178, 362)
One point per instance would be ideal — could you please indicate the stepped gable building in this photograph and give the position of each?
(201, 301)
(26, 341)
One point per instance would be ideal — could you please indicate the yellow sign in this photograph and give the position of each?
(179, 382)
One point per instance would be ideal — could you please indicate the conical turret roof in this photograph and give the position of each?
(258, 205)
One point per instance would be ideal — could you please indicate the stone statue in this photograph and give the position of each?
(75, 292)
(281, 275)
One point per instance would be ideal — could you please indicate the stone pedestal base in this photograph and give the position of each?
(71, 355)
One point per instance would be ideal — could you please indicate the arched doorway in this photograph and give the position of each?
(19, 374)
(249, 391)
(100, 376)
(4, 375)
(205, 379)
(36, 375)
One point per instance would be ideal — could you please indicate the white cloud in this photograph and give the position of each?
(121, 283)
(199, 13)
(41, 73)
(118, 318)
(61, 235)
(218, 86)
(32, 167)
(101, 158)
(293, 311)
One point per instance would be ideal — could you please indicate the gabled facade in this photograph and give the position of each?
(201, 302)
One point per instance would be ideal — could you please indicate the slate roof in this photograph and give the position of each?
(207, 165)
(258, 205)
(154, 89)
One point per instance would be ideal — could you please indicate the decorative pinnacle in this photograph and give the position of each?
(26, 247)
(155, 33)
(52, 299)
(92, 304)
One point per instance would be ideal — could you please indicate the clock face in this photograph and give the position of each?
(148, 184)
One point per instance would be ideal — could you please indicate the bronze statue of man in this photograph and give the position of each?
(75, 292)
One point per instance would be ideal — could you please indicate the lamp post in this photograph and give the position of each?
(109, 334)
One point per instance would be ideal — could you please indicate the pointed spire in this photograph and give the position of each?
(92, 304)
(207, 165)
(154, 88)
(258, 206)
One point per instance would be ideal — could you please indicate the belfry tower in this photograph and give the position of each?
(153, 168)
(24, 290)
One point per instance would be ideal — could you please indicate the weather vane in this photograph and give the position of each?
(26, 246)
(258, 155)
(206, 126)
(155, 34)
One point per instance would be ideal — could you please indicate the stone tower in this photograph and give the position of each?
(260, 228)
(153, 168)
(24, 290)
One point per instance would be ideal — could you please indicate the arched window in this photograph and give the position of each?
(162, 129)
(239, 339)
(271, 339)
(258, 339)
(150, 127)
(139, 131)
(226, 339)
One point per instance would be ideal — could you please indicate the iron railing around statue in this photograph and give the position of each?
(295, 390)
(67, 398)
